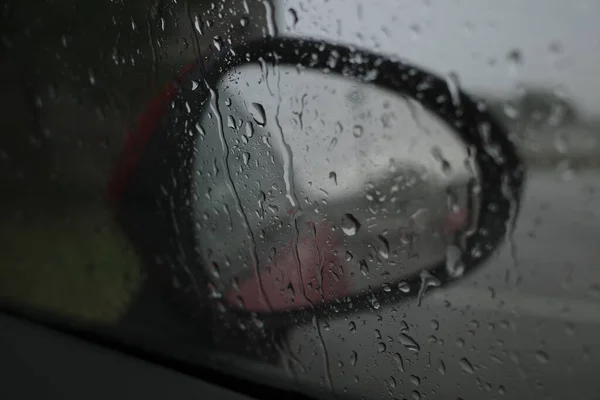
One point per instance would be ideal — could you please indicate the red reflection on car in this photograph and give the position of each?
(304, 272)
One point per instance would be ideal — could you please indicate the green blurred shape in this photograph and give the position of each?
(80, 266)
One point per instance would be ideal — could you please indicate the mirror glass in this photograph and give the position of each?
(311, 187)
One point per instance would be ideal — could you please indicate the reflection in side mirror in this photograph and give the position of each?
(343, 186)
(322, 176)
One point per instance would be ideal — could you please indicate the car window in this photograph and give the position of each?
(347, 199)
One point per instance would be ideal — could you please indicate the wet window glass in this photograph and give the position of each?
(347, 199)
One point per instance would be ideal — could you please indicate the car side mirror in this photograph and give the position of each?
(298, 177)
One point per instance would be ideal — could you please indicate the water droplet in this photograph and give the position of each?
(291, 18)
(244, 21)
(249, 130)
(258, 323)
(442, 368)
(258, 113)
(403, 287)
(454, 264)
(350, 225)
(246, 158)
(213, 291)
(416, 395)
(291, 291)
(333, 175)
(555, 47)
(198, 25)
(436, 152)
(415, 30)
(427, 281)
(349, 256)
(215, 270)
(332, 144)
(195, 85)
(415, 380)
(409, 342)
(352, 326)
(420, 219)
(381, 347)
(510, 111)
(515, 57)
(403, 326)
(218, 42)
(453, 83)
(353, 358)
(375, 303)
(357, 131)
(399, 361)
(364, 267)
(270, 16)
(230, 122)
(392, 382)
(383, 247)
(541, 356)
(466, 365)
(332, 61)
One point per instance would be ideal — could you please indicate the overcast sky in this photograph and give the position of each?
(558, 39)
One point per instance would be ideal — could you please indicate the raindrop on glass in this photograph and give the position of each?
(466, 365)
(218, 42)
(541, 356)
(230, 122)
(246, 158)
(291, 17)
(453, 83)
(515, 57)
(258, 113)
(350, 225)
(398, 361)
(364, 268)
(249, 130)
(198, 25)
(352, 326)
(454, 264)
(348, 256)
(442, 368)
(420, 219)
(409, 342)
(383, 247)
(215, 270)
(427, 281)
(333, 176)
(403, 287)
(357, 131)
